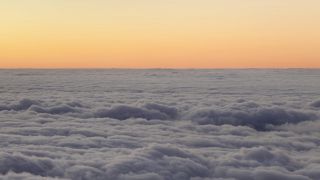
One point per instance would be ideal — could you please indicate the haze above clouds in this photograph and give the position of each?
(160, 124)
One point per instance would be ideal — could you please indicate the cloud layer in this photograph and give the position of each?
(159, 124)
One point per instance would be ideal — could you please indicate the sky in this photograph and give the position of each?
(160, 34)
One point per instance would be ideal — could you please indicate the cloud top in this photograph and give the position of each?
(159, 124)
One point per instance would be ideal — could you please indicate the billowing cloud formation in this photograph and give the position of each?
(159, 124)
(124, 112)
(21, 105)
(164, 161)
(258, 118)
(53, 110)
(315, 103)
(148, 111)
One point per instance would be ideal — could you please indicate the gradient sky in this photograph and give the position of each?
(159, 34)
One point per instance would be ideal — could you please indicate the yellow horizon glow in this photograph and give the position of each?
(160, 34)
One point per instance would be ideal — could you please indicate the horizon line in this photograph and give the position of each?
(119, 68)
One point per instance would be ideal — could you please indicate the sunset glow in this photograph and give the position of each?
(159, 34)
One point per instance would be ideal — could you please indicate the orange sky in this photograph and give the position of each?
(159, 34)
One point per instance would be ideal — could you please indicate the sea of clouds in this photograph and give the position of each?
(160, 124)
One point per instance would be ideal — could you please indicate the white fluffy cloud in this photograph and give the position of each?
(159, 124)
